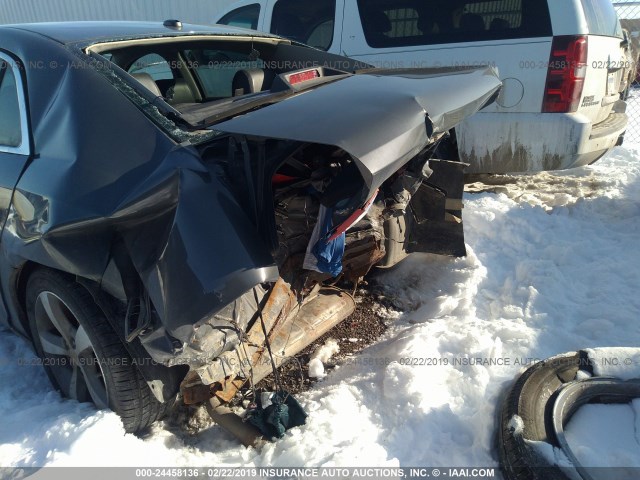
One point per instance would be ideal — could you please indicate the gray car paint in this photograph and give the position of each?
(383, 118)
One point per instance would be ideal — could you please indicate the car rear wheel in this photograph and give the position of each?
(83, 356)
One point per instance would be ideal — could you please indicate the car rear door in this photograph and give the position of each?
(14, 147)
(14, 134)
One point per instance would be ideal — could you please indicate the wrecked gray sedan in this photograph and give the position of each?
(177, 200)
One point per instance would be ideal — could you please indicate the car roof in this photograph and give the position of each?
(93, 32)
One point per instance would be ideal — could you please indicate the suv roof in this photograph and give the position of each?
(91, 32)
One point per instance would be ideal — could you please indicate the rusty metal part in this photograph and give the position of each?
(288, 334)
(196, 394)
(362, 255)
(314, 319)
(249, 435)
(228, 389)
(292, 330)
(193, 390)
(280, 302)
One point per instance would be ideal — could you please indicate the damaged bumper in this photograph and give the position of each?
(384, 121)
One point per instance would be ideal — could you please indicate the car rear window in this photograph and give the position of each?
(215, 69)
(153, 64)
(392, 23)
(602, 18)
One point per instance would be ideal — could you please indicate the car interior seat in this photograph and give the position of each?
(180, 93)
(251, 81)
(148, 82)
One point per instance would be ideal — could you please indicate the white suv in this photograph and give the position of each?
(561, 63)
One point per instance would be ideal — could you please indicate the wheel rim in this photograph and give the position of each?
(69, 352)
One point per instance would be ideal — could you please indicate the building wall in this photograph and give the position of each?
(190, 11)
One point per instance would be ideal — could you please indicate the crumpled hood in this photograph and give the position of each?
(383, 118)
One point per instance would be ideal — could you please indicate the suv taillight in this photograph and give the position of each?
(567, 69)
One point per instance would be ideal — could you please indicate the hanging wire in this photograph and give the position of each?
(276, 376)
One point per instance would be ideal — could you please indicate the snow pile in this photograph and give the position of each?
(606, 436)
(322, 356)
(516, 425)
(554, 456)
(623, 363)
(550, 269)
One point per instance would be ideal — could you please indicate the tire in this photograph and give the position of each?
(531, 399)
(576, 394)
(82, 355)
(544, 398)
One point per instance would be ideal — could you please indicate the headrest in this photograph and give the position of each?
(148, 82)
(251, 80)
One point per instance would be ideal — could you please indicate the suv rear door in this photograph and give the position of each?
(605, 64)
(247, 14)
(514, 35)
(316, 23)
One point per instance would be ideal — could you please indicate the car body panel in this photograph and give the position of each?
(383, 118)
(90, 179)
(114, 197)
(86, 33)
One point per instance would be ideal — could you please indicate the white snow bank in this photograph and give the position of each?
(549, 270)
(322, 356)
(606, 436)
(516, 425)
(554, 456)
(623, 363)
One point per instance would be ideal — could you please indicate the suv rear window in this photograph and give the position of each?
(393, 23)
(245, 17)
(602, 18)
(311, 23)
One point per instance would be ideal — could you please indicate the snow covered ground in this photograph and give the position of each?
(553, 266)
(617, 442)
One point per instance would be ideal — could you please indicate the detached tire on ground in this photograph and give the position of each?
(84, 358)
(537, 408)
(526, 417)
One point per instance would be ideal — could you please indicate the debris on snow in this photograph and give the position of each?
(322, 356)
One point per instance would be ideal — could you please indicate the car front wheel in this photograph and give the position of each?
(83, 356)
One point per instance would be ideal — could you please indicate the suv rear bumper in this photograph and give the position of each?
(531, 142)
